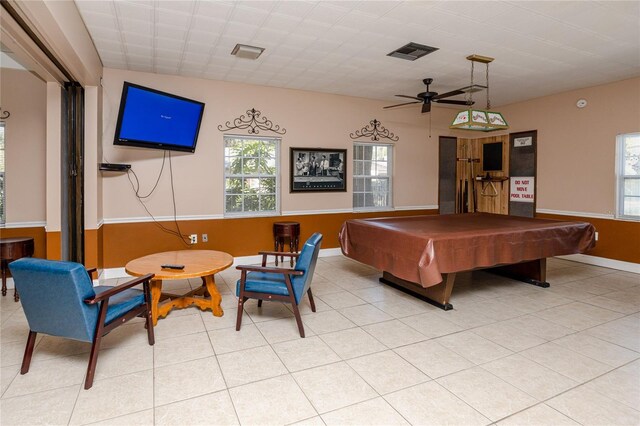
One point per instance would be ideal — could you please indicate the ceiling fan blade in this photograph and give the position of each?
(407, 103)
(444, 101)
(449, 94)
(426, 107)
(409, 97)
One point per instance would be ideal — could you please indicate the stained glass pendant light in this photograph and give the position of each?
(475, 118)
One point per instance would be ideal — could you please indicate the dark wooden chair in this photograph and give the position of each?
(59, 299)
(282, 284)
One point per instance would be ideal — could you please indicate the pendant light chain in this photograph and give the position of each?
(470, 93)
(488, 98)
(478, 119)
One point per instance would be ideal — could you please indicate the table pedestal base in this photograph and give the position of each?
(437, 295)
(209, 298)
(531, 272)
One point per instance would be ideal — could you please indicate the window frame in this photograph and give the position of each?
(260, 213)
(390, 168)
(621, 178)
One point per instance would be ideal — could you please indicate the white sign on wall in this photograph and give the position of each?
(519, 142)
(522, 189)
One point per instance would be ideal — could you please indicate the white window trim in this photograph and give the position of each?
(391, 162)
(620, 177)
(277, 212)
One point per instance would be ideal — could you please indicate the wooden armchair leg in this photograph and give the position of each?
(241, 301)
(296, 312)
(313, 305)
(95, 347)
(28, 352)
(93, 360)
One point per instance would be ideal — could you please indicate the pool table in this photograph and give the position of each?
(424, 253)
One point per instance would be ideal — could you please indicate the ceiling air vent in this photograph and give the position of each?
(412, 51)
(247, 52)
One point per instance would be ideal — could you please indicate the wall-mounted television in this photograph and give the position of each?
(149, 118)
(492, 157)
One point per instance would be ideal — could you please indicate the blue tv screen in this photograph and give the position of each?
(149, 118)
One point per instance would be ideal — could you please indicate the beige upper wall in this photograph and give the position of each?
(25, 97)
(311, 120)
(576, 146)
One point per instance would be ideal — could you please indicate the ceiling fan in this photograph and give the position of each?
(425, 98)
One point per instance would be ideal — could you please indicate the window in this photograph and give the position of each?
(628, 174)
(372, 176)
(251, 175)
(2, 194)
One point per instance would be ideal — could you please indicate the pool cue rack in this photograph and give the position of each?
(478, 190)
(467, 200)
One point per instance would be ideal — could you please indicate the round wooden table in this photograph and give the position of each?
(11, 249)
(197, 264)
(282, 231)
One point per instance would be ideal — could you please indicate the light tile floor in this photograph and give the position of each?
(509, 354)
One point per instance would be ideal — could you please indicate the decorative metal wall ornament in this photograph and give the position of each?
(376, 130)
(4, 114)
(254, 122)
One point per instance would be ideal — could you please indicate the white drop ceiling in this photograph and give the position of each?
(541, 47)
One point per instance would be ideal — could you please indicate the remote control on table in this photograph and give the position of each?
(170, 266)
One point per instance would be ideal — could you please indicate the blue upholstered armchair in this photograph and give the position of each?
(59, 299)
(287, 285)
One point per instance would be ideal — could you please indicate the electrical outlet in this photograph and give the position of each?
(596, 235)
(194, 238)
(205, 238)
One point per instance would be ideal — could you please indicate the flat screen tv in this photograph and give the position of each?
(492, 157)
(149, 118)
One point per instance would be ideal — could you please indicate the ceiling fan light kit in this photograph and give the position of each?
(479, 119)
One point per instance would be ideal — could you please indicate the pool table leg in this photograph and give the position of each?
(437, 295)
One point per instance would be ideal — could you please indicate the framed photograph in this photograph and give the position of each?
(318, 170)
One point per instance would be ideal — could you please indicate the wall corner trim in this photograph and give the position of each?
(577, 214)
(12, 225)
(427, 207)
(116, 220)
(310, 212)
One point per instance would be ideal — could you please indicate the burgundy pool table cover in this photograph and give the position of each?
(421, 248)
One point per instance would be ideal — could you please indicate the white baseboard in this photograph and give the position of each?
(604, 262)
(110, 273)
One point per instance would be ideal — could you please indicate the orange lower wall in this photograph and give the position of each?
(101, 247)
(114, 245)
(239, 237)
(54, 245)
(47, 244)
(91, 248)
(38, 234)
(617, 239)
